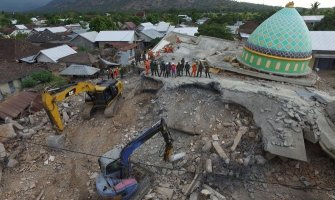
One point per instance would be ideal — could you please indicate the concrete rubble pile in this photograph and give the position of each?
(34, 125)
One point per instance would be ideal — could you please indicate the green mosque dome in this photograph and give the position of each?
(280, 45)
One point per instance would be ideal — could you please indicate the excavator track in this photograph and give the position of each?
(86, 113)
(111, 109)
(145, 180)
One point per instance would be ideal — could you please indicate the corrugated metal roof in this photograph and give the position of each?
(162, 27)
(313, 18)
(39, 29)
(115, 36)
(151, 33)
(79, 70)
(187, 30)
(17, 104)
(323, 40)
(21, 27)
(147, 25)
(90, 36)
(57, 52)
(59, 29)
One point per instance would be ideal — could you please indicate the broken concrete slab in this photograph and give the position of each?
(166, 192)
(331, 110)
(253, 96)
(327, 135)
(7, 132)
(15, 123)
(242, 130)
(220, 151)
(216, 193)
(208, 165)
(3, 152)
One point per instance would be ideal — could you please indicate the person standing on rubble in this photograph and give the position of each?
(156, 68)
(200, 69)
(182, 66)
(207, 71)
(167, 69)
(152, 67)
(147, 66)
(194, 69)
(187, 69)
(144, 57)
(162, 68)
(174, 68)
(178, 69)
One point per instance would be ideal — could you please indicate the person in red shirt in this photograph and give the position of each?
(194, 69)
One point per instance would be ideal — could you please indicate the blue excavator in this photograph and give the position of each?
(115, 181)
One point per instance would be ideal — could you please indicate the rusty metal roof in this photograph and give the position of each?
(17, 104)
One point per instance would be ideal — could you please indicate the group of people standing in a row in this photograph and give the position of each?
(167, 69)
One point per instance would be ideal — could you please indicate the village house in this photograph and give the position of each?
(323, 46)
(312, 20)
(115, 37)
(52, 55)
(128, 26)
(148, 35)
(85, 40)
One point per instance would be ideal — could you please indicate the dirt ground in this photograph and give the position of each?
(43, 173)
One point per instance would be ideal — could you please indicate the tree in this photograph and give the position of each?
(215, 30)
(100, 23)
(327, 23)
(314, 7)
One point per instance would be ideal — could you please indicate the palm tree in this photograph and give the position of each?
(315, 6)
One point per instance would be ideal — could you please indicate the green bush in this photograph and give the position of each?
(42, 76)
(28, 82)
(58, 81)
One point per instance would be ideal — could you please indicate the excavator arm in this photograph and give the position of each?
(126, 152)
(50, 102)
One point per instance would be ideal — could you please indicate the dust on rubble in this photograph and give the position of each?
(203, 127)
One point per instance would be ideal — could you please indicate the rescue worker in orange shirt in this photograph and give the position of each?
(147, 67)
(194, 69)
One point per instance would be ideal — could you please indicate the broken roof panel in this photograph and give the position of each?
(79, 70)
(17, 104)
(323, 40)
(115, 36)
(57, 52)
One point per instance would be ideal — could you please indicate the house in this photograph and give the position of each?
(311, 20)
(149, 34)
(12, 73)
(127, 53)
(128, 26)
(82, 58)
(76, 70)
(52, 55)
(323, 46)
(202, 21)
(191, 31)
(185, 18)
(73, 27)
(145, 26)
(39, 36)
(247, 28)
(20, 27)
(163, 27)
(85, 40)
(59, 29)
(110, 37)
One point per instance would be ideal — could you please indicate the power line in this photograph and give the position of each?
(183, 170)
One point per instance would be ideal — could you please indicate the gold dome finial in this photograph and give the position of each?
(290, 4)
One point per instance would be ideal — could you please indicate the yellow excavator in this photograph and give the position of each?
(101, 95)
